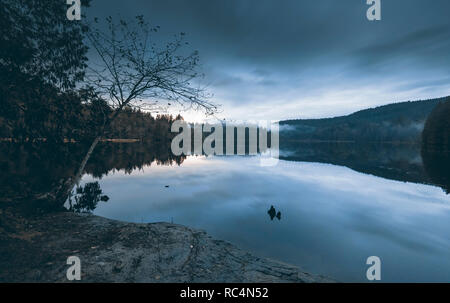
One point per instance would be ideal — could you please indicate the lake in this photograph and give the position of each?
(325, 207)
(331, 217)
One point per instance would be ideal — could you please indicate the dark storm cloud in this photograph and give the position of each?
(281, 59)
(423, 45)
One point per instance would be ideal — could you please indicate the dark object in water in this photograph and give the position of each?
(166, 186)
(273, 213)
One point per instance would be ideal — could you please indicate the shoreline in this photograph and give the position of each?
(36, 249)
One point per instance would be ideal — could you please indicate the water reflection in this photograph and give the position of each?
(84, 198)
(28, 171)
(273, 213)
(392, 161)
(336, 216)
(437, 166)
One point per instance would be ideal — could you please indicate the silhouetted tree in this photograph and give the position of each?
(132, 70)
(436, 133)
(42, 58)
(86, 198)
(43, 64)
(39, 41)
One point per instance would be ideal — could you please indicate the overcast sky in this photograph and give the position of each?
(283, 59)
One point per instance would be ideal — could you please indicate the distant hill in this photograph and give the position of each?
(402, 121)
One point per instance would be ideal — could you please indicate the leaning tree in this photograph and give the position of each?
(133, 67)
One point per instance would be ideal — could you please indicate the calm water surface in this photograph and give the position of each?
(332, 217)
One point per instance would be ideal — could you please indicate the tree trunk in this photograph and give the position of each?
(64, 190)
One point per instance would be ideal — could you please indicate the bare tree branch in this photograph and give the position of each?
(134, 70)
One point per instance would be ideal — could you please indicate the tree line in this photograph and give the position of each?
(43, 90)
(397, 122)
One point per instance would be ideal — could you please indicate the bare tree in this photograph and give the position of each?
(133, 70)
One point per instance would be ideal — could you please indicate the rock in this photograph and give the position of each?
(113, 251)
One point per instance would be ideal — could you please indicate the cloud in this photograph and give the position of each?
(278, 60)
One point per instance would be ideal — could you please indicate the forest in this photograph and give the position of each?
(436, 134)
(397, 122)
(46, 88)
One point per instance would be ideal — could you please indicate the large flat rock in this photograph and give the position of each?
(36, 250)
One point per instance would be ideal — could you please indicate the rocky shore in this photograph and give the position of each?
(36, 248)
